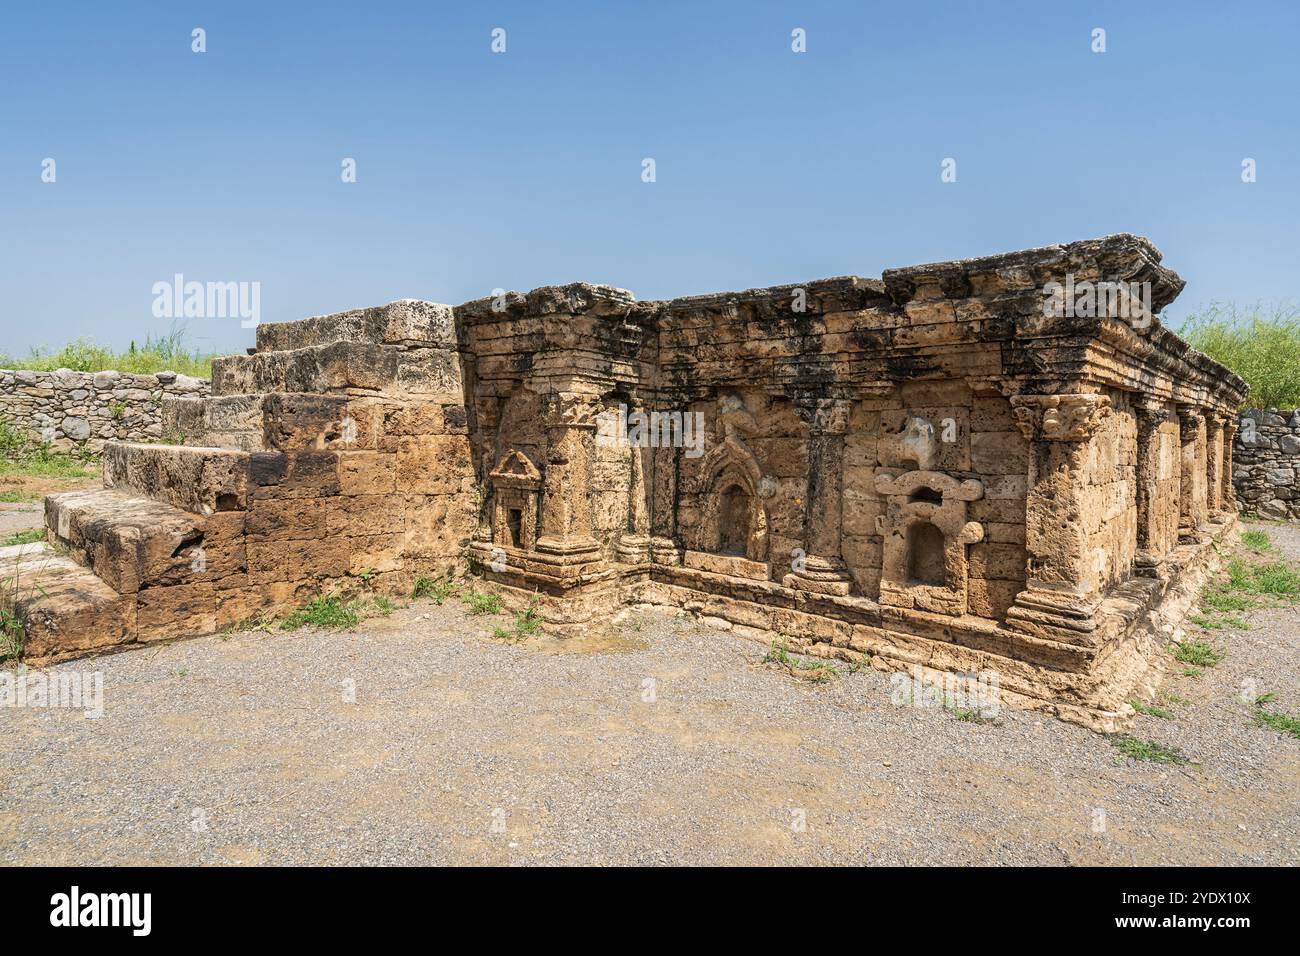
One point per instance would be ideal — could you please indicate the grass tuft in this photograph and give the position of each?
(31, 536)
(1151, 710)
(1139, 749)
(1198, 653)
(526, 623)
(1257, 540)
(327, 612)
(814, 672)
(482, 602)
(437, 588)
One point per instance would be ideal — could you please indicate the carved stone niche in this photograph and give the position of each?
(516, 486)
(734, 519)
(925, 531)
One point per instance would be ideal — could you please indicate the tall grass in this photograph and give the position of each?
(170, 352)
(1259, 342)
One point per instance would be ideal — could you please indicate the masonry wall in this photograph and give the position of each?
(68, 409)
(1110, 494)
(1266, 462)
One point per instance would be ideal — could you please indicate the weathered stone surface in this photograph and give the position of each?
(88, 409)
(1266, 460)
(934, 469)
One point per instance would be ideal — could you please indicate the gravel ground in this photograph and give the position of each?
(462, 749)
(21, 517)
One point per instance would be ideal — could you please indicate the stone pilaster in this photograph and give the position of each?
(1151, 414)
(1062, 592)
(822, 569)
(664, 475)
(1227, 492)
(566, 485)
(634, 544)
(1214, 462)
(1191, 497)
(488, 419)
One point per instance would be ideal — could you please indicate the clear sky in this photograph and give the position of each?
(478, 170)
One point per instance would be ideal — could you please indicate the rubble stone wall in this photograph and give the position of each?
(76, 409)
(1266, 462)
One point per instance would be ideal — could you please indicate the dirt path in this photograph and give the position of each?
(668, 743)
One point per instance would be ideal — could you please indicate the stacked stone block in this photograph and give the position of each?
(1266, 462)
(87, 409)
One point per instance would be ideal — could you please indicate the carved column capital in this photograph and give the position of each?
(1066, 418)
(1152, 412)
(570, 410)
(1190, 419)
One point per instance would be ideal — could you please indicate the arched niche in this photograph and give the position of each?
(926, 535)
(735, 519)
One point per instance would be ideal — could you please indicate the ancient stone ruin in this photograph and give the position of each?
(958, 467)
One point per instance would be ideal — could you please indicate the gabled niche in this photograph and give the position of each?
(516, 487)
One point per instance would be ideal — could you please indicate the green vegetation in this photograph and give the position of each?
(526, 624)
(1249, 585)
(327, 612)
(169, 352)
(815, 672)
(1256, 540)
(31, 536)
(1282, 723)
(23, 455)
(1259, 342)
(1138, 749)
(1276, 579)
(1151, 710)
(437, 588)
(1197, 653)
(482, 602)
(21, 584)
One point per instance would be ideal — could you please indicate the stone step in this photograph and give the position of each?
(131, 542)
(410, 322)
(201, 480)
(63, 608)
(227, 421)
(343, 368)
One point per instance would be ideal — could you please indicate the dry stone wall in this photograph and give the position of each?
(86, 409)
(1266, 461)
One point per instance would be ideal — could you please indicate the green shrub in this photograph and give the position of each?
(1259, 342)
(168, 352)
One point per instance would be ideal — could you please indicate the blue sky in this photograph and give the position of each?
(479, 170)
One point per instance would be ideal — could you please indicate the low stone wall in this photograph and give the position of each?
(85, 409)
(1266, 462)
